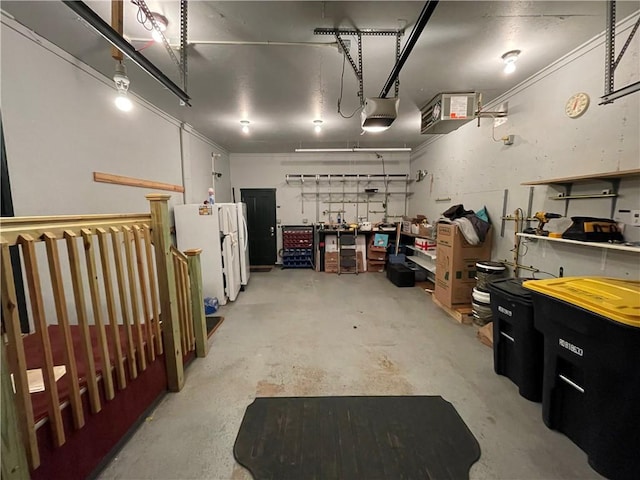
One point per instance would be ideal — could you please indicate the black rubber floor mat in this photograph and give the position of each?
(352, 438)
(213, 322)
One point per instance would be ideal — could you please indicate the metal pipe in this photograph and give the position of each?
(424, 17)
(104, 29)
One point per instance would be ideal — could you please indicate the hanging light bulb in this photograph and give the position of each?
(245, 126)
(162, 23)
(318, 126)
(122, 101)
(509, 60)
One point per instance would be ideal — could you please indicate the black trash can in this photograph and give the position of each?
(591, 386)
(517, 346)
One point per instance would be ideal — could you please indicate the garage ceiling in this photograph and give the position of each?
(281, 89)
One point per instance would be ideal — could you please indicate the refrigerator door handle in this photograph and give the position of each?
(246, 232)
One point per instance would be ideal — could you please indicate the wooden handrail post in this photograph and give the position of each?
(197, 302)
(167, 288)
(14, 456)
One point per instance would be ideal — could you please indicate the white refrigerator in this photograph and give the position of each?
(211, 228)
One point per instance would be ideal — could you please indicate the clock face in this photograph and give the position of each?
(577, 105)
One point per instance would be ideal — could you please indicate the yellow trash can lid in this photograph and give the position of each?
(613, 298)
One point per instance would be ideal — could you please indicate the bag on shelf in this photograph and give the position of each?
(591, 229)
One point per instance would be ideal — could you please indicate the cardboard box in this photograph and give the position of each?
(425, 230)
(331, 262)
(375, 267)
(456, 265)
(377, 255)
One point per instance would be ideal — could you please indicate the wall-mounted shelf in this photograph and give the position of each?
(312, 185)
(566, 183)
(428, 265)
(587, 178)
(578, 197)
(602, 245)
(430, 254)
(415, 235)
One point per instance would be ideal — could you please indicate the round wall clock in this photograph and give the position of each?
(576, 105)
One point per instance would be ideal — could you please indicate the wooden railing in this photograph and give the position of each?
(150, 292)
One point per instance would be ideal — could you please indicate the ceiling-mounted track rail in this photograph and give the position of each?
(424, 17)
(354, 31)
(611, 62)
(113, 37)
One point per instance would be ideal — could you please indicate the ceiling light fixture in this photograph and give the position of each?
(245, 126)
(162, 23)
(509, 60)
(318, 126)
(122, 101)
(354, 149)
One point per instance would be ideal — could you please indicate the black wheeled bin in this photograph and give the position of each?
(517, 346)
(591, 385)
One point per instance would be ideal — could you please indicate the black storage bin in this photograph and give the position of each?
(400, 275)
(591, 386)
(517, 346)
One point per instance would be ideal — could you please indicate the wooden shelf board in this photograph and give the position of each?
(610, 246)
(586, 178)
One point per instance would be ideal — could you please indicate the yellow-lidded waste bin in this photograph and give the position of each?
(591, 380)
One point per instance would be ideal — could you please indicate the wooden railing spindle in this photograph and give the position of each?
(60, 300)
(153, 287)
(178, 270)
(40, 321)
(144, 294)
(107, 378)
(83, 322)
(187, 288)
(126, 321)
(111, 307)
(197, 302)
(17, 359)
(133, 291)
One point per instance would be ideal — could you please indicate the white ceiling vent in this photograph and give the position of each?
(448, 111)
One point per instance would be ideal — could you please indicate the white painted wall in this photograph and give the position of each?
(201, 157)
(61, 125)
(269, 171)
(468, 166)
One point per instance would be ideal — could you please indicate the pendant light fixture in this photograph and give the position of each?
(122, 101)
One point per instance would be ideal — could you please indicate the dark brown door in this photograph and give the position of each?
(261, 224)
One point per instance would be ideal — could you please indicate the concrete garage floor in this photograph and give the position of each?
(292, 334)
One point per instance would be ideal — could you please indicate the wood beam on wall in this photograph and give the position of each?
(135, 182)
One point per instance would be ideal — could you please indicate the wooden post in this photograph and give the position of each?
(197, 302)
(14, 457)
(15, 351)
(167, 288)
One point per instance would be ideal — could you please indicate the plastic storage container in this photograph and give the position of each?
(518, 348)
(400, 275)
(591, 386)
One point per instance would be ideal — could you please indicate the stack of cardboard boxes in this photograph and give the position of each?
(376, 258)
(456, 265)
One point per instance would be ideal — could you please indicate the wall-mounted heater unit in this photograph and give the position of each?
(448, 111)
